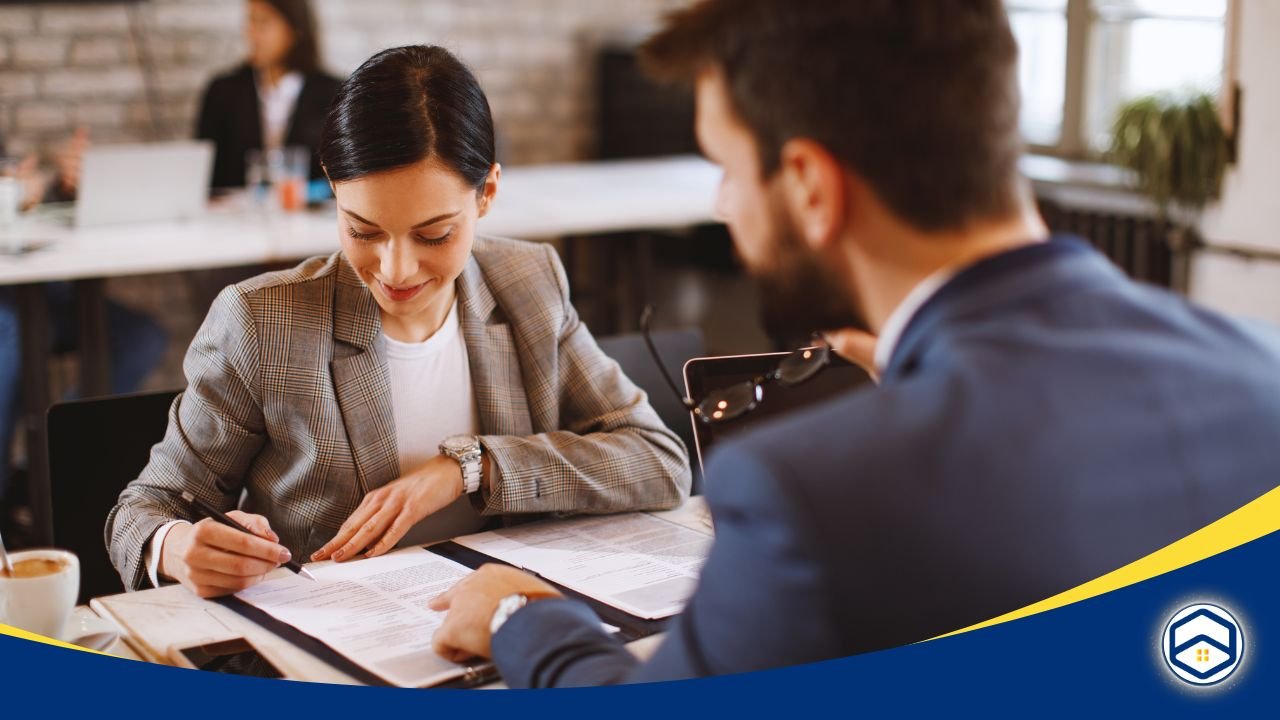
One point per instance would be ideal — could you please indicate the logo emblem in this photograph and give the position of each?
(1203, 644)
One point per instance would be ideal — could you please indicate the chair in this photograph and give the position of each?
(95, 448)
(676, 348)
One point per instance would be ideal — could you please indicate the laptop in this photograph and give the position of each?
(152, 182)
(704, 374)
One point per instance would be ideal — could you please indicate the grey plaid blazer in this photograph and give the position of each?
(288, 403)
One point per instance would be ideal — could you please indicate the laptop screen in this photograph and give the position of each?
(703, 375)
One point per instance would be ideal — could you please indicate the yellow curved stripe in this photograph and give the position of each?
(25, 635)
(1258, 518)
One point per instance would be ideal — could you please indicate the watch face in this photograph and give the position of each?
(459, 443)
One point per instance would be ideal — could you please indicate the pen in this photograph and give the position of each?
(203, 508)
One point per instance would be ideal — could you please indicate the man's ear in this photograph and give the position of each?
(813, 185)
(490, 189)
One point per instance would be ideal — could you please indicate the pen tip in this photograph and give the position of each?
(307, 574)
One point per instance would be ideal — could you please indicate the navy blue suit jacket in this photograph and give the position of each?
(1042, 422)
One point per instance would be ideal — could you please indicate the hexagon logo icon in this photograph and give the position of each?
(1203, 644)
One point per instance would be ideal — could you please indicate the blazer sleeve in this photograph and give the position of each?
(611, 453)
(761, 602)
(216, 428)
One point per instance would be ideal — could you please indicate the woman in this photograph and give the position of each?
(421, 378)
(278, 98)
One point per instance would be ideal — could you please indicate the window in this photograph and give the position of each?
(1081, 59)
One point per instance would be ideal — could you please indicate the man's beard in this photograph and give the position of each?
(800, 295)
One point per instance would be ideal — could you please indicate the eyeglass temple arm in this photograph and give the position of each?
(646, 318)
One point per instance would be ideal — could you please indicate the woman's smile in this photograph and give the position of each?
(401, 293)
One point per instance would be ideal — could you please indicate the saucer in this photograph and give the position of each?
(90, 631)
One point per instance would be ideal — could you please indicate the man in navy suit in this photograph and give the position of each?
(1040, 420)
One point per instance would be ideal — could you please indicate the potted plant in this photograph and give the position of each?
(1178, 151)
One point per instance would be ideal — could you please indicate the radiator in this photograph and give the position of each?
(1135, 243)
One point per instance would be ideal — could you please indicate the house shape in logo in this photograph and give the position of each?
(1203, 644)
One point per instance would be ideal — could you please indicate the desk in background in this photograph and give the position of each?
(534, 203)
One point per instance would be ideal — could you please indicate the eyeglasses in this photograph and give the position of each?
(737, 400)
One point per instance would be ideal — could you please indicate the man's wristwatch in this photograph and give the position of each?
(507, 607)
(465, 449)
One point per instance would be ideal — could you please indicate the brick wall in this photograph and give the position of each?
(62, 66)
(66, 65)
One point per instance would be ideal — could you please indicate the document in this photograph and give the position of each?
(638, 563)
(372, 611)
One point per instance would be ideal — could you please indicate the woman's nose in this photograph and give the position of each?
(398, 262)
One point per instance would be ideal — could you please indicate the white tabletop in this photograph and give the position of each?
(534, 202)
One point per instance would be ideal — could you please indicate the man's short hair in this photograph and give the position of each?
(918, 97)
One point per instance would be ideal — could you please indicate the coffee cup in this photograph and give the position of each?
(40, 592)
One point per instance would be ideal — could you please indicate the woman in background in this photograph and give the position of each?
(277, 98)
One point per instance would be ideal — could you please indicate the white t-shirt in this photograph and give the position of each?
(431, 399)
(277, 105)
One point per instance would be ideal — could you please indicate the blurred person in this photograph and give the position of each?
(277, 98)
(422, 379)
(1040, 419)
(135, 340)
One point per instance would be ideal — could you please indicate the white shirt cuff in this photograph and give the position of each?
(151, 555)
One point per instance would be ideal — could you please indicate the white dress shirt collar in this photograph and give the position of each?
(901, 316)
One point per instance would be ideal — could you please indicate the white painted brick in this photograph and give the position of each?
(17, 20)
(198, 16)
(68, 19)
(92, 82)
(41, 116)
(17, 85)
(39, 52)
(100, 50)
(180, 79)
(100, 114)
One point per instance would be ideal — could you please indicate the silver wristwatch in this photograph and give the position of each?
(465, 449)
(507, 607)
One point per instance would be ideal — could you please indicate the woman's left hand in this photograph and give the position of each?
(386, 514)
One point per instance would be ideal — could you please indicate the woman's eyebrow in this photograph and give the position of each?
(436, 219)
(424, 223)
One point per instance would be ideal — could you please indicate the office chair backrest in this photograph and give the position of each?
(676, 348)
(95, 448)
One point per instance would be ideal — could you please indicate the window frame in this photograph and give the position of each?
(1072, 141)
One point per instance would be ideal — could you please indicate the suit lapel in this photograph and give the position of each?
(501, 402)
(361, 382)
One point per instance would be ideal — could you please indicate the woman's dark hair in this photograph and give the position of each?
(405, 105)
(304, 56)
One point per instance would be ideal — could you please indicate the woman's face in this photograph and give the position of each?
(408, 234)
(267, 34)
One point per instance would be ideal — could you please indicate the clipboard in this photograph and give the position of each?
(629, 626)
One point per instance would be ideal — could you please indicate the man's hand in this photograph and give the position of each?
(211, 559)
(471, 603)
(856, 346)
(386, 514)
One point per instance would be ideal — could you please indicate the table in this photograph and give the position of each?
(534, 203)
(195, 621)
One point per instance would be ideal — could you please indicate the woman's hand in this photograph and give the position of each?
(386, 514)
(211, 559)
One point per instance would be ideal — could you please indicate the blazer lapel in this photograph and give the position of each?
(501, 402)
(361, 382)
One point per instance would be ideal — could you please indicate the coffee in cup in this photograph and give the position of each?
(40, 591)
